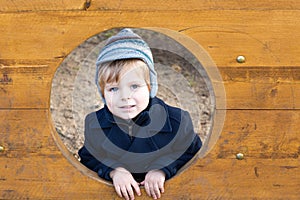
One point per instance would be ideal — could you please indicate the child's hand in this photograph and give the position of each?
(154, 183)
(123, 182)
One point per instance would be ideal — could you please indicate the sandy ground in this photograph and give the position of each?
(181, 83)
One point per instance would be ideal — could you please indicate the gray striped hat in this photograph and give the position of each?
(126, 45)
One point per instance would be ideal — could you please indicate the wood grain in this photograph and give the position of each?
(25, 86)
(262, 87)
(147, 5)
(225, 35)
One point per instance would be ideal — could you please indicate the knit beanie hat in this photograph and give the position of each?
(126, 45)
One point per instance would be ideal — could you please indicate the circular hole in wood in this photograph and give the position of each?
(187, 78)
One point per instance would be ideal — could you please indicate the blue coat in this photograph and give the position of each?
(160, 137)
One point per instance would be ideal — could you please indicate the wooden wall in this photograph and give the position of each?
(263, 94)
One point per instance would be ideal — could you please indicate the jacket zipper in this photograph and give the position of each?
(130, 131)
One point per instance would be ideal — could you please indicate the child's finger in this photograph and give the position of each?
(130, 192)
(124, 192)
(136, 188)
(147, 189)
(161, 187)
(153, 193)
(118, 190)
(156, 191)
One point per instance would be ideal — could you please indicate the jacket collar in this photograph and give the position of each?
(155, 109)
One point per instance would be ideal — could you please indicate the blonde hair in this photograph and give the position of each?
(110, 72)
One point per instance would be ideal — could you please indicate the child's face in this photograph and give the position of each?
(127, 98)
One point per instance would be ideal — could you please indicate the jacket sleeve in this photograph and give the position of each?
(173, 168)
(93, 164)
(87, 158)
(184, 152)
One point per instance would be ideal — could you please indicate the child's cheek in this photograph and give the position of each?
(109, 106)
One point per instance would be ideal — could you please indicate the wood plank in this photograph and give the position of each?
(26, 86)
(208, 179)
(269, 140)
(263, 37)
(262, 87)
(270, 134)
(40, 5)
(190, 5)
(234, 179)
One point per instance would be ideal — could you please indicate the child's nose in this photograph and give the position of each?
(125, 93)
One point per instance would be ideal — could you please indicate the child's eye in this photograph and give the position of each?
(113, 89)
(134, 86)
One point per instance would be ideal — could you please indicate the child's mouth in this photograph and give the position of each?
(127, 107)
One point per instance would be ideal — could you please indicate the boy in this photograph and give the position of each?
(136, 139)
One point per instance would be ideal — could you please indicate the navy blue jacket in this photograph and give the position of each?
(160, 137)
